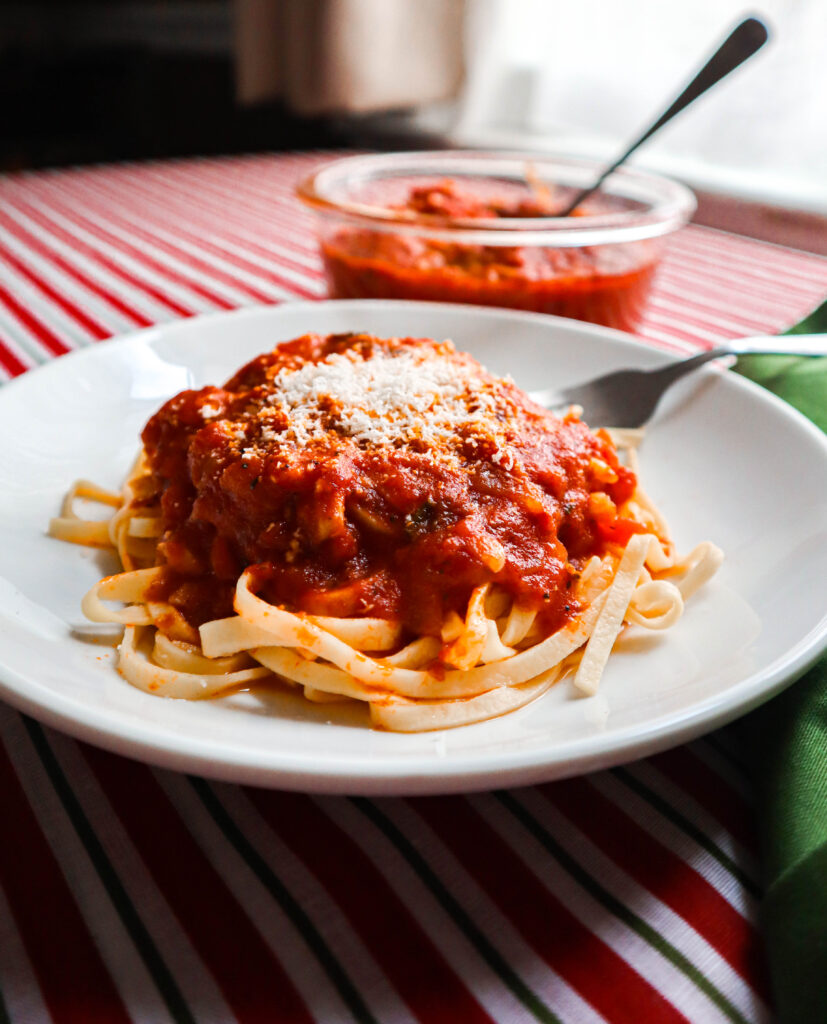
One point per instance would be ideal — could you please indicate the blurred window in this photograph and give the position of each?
(586, 76)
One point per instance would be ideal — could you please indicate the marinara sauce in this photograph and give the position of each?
(604, 284)
(377, 477)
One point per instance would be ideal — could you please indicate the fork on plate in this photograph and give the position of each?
(627, 398)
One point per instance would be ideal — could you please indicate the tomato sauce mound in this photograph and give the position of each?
(384, 477)
(605, 284)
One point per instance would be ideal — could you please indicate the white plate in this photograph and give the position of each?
(724, 460)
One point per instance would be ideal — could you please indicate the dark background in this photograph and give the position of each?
(132, 79)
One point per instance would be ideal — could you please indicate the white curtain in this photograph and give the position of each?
(348, 56)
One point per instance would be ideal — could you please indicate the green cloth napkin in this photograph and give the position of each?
(786, 742)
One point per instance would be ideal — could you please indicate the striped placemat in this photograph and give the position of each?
(134, 894)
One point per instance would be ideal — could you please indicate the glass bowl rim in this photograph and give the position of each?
(671, 204)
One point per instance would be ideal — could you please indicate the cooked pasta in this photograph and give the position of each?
(378, 520)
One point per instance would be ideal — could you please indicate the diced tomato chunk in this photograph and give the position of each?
(619, 530)
(625, 486)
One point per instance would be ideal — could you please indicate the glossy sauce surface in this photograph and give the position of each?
(351, 516)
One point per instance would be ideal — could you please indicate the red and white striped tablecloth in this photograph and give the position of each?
(134, 894)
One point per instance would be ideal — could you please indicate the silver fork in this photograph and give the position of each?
(627, 398)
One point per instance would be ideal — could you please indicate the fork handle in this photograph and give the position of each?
(782, 345)
(790, 345)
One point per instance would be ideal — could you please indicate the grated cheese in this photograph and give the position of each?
(385, 400)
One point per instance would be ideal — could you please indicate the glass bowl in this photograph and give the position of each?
(480, 227)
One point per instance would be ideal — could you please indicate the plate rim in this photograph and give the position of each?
(466, 771)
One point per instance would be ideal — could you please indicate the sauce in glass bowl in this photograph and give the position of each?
(482, 229)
